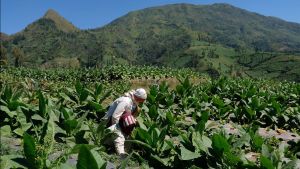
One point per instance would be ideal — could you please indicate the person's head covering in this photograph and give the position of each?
(140, 93)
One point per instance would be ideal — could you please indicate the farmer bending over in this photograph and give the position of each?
(121, 116)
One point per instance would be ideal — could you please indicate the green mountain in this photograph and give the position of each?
(217, 38)
(60, 22)
(218, 23)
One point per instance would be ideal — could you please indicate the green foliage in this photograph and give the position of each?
(86, 159)
(30, 150)
(179, 127)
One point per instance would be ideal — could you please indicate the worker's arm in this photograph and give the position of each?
(136, 111)
(118, 112)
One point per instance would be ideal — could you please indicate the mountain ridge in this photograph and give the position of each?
(214, 4)
(204, 37)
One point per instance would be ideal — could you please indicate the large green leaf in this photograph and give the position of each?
(201, 125)
(220, 144)
(144, 135)
(170, 117)
(98, 90)
(153, 112)
(67, 113)
(204, 116)
(30, 149)
(141, 123)
(49, 137)
(70, 125)
(5, 131)
(218, 102)
(187, 154)
(7, 161)
(265, 150)
(42, 104)
(78, 87)
(201, 142)
(86, 159)
(95, 106)
(265, 163)
(19, 131)
(101, 163)
(66, 97)
(154, 133)
(277, 107)
(5, 109)
(249, 113)
(6, 96)
(231, 159)
(38, 117)
(184, 136)
(83, 95)
(21, 118)
(257, 141)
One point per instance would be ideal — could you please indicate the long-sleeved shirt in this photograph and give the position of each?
(119, 106)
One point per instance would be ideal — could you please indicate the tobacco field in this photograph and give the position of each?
(52, 119)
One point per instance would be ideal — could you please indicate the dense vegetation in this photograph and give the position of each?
(51, 119)
(218, 39)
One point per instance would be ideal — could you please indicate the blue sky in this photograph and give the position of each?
(85, 14)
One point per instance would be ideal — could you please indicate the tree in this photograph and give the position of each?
(18, 55)
(100, 52)
(3, 56)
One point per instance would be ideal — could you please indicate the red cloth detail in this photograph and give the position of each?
(127, 123)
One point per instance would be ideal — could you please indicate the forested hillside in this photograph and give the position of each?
(218, 39)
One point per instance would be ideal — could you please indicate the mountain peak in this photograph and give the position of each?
(60, 21)
(51, 14)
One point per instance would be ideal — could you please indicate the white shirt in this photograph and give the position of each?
(119, 106)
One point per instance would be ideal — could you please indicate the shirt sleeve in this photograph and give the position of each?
(118, 112)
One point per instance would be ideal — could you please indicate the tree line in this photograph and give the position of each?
(17, 53)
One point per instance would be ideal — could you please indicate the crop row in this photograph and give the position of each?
(177, 126)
